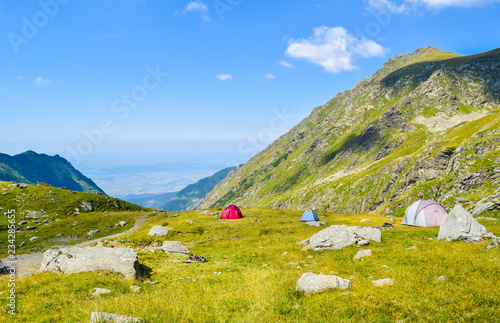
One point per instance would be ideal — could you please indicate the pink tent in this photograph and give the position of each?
(231, 212)
(424, 213)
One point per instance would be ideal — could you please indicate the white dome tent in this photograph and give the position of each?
(424, 213)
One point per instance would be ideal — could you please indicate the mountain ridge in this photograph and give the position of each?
(30, 167)
(371, 148)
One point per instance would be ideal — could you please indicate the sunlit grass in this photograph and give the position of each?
(257, 280)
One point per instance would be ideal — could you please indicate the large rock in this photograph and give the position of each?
(175, 247)
(363, 253)
(340, 236)
(75, 260)
(158, 231)
(99, 317)
(87, 206)
(459, 225)
(311, 283)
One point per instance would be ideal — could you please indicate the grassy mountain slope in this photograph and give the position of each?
(190, 197)
(59, 209)
(426, 125)
(30, 167)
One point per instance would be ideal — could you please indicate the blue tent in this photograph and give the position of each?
(309, 215)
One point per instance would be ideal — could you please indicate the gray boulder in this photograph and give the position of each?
(311, 283)
(340, 236)
(481, 207)
(158, 231)
(460, 225)
(99, 291)
(99, 317)
(75, 260)
(495, 243)
(87, 206)
(122, 223)
(175, 247)
(92, 232)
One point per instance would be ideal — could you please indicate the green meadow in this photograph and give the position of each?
(253, 268)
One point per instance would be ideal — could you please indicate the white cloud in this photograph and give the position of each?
(333, 48)
(197, 6)
(405, 6)
(20, 77)
(39, 81)
(269, 76)
(224, 77)
(286, 64)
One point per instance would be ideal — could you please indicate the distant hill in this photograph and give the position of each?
(31, 168)
(155, 201)
(424, 126)
(192, 195)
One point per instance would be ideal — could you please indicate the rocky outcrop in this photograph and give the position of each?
(311, 283)
(340, 236)
(158, 231)
(460, 225)
(72, 260)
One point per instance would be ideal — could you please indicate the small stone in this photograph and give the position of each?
(189, 222)
(296, 306)
(363, 253)
(364, 220)
(384, 266)
(383, 282)
(264, 265)
(284, 253)
(99, 291)
(96, 317)
(59, 234)
(440, 279)
(92, 232)
(158, 231)
(122, 223)
(23, 222)
(311, 283)
(363, 242)
(310, 257)
(33, 238)
(135, 289)
(412, 248)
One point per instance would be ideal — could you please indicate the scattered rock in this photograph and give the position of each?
(116, 204)
(195, 258)
(99, 291)
(158, 231)
(306, 241)
(207, 212)
(23, 222)
(461, 200)
(412, 248)
(309, 257)
(363, 253)
(460, 225)
(440, 279)
(495, 243)
(87, 206)
(364, 220)
(22, 185)
(384, 266)
(135, 289)
(33, 238)
(174, 247)
(92, 232)
(311, 283)
(99, 317)
(284, 253)
(363, 242)
(340, 236)
(386, 226)
(257, 221)
(122, 223)
(189, 222)
(383, 282)
(74, 260)
(30, 228)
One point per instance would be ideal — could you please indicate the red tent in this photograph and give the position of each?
(231, 212)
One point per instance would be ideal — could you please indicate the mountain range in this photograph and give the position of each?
(192, 195)
(31, 168)
(425, 126)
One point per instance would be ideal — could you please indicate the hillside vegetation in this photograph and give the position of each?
(56, 211)
(253, 269)
(424, 126)
(30, 167)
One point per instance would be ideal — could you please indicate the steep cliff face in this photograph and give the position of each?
(426, 125)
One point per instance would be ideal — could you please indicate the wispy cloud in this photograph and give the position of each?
(224, 77)
(335, 49)
(197, 6)
(286, 64)
(407, 6)
(269, 76)
(39, 81)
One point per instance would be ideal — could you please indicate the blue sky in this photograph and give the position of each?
(110, 83)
